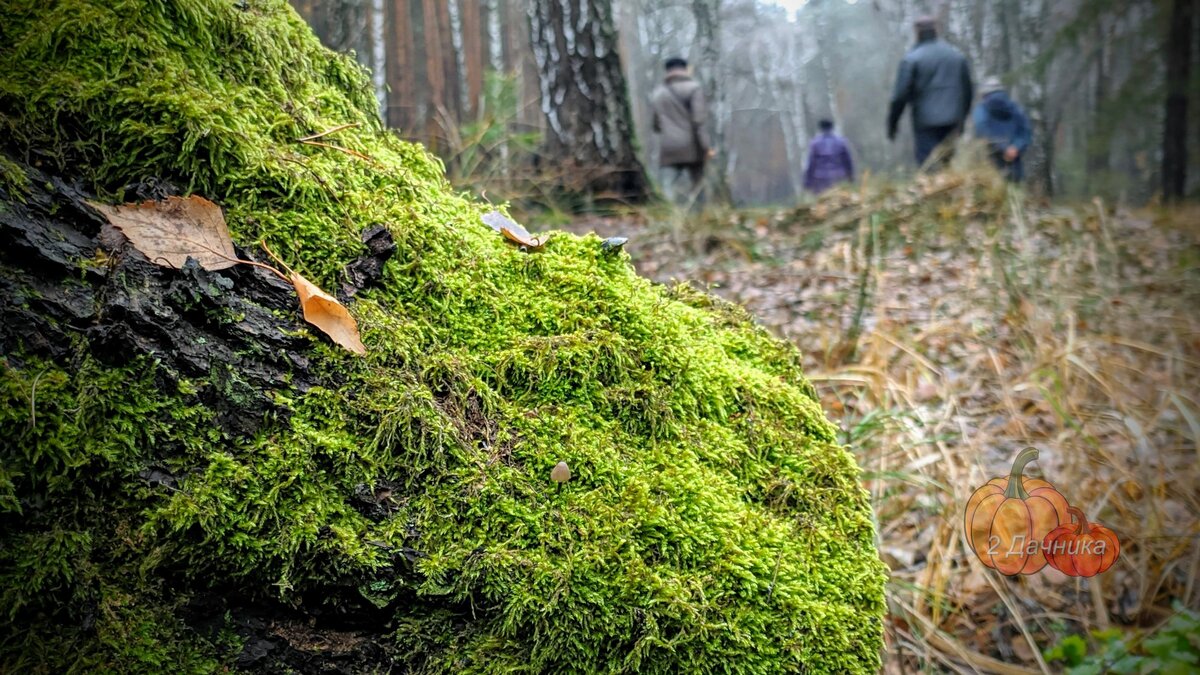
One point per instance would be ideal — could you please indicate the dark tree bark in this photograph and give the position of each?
(132, 308)
(1098, 138)
(451, 103)
(400, 66)
(589, 134)
(435, 74)
(342, 25)
(1175, 126)
(472, 41)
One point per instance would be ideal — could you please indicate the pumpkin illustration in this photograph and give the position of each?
(1008, 518)
(1083, 549)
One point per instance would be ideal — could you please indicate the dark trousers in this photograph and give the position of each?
(928, 138)
(674, 175)
(1014, 171)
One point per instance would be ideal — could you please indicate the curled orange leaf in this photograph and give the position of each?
(325, 312)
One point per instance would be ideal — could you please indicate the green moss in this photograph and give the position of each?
(127, 633)
(13, 179)
(713, 524)
(71, 590)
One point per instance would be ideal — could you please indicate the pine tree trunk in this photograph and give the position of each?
(1179, 62)
(473, 58)
(451, 111)
(589, 137)
(400, 63)
(434, 70)
(367, 40)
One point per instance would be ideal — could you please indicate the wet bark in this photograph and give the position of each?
(71, 285)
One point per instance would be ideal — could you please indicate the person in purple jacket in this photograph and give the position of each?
(829, 161)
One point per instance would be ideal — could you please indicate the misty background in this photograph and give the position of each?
(465, 77)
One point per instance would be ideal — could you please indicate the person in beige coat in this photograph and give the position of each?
(680, 116)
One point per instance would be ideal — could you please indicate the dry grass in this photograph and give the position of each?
(948, 324)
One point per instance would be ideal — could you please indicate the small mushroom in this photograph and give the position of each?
(560, 474)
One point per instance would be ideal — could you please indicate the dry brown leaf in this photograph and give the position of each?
(513, 231)
(521, 236)
(326, 313)
(169, 232)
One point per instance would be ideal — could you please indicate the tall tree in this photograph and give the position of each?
(518, 59)
(1098, 140)
(435, 73)
(1179, 64)
(400, 66)
(473, 35)
(707, 14)
(585, 99)
(450, 110)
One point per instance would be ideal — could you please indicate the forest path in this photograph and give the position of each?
(947, 325)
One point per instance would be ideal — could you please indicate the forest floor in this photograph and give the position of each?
(950, 323)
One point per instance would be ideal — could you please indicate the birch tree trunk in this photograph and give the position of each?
(585, 99)
(707, 14)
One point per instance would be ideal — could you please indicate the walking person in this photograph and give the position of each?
(680, 116)
(1001, 122)
(829, 161)
(935, 80)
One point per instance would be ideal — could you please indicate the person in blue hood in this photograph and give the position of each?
(1003, 124)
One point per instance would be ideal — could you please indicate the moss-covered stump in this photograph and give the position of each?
(193, 479)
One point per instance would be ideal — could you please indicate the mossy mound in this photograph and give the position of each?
(712, 524)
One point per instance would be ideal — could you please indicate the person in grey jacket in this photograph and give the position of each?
(680, 114)
(935, 80)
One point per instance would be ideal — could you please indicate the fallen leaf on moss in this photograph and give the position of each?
(513, 231)
(320, 308)
(496, 220)
(326, 313)
(522, 237)
(169, 232)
